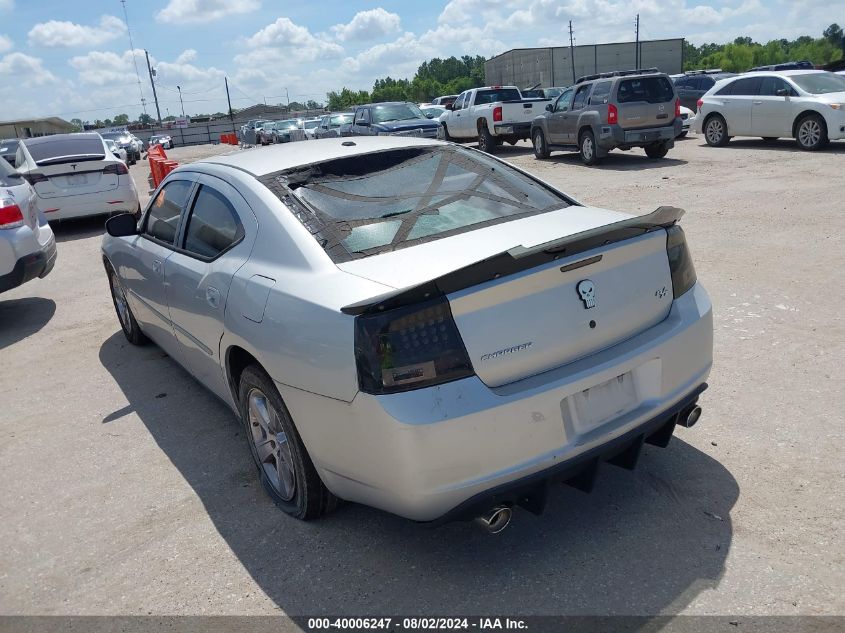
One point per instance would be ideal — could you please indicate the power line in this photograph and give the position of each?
(134, 61)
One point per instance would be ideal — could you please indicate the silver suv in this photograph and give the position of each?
(622, 109)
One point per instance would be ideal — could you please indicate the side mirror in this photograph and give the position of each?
(782, 92)
(550, 107)
(122, 225)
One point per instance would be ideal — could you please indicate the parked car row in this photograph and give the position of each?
(165, 140)
(125, 140)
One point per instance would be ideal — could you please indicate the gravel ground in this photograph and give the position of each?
(128, 489)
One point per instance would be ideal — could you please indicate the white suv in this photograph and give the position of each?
(75, 175)
(807, 105)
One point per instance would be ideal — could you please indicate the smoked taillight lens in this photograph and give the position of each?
(497, 113)
(10, 214)
(612, 114)
(680, 261)
(119, 169)
(409, 347)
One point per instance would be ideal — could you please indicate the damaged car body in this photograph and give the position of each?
(418, 326)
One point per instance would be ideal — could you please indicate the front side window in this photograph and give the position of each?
(563, 102)
(163, 217)
(213, 225)
(581, 97)
(459, 102)
(382, 201)
(769, 87)
(363, 116)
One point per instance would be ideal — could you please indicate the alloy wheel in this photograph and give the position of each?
(715, 130)
(271, 444)
(120, 302)
(809, 133)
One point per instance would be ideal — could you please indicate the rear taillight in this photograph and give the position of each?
(699, 103)
(612, 114)
(409, 348)
(680, 261)
(10, 214)
(34, 178)
(677, 108)
(497, 113)
(118, 169)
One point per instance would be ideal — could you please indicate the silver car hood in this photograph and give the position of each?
(414, 265)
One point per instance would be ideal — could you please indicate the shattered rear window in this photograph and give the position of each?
(382, 201)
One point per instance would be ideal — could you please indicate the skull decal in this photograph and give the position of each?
(587, 290)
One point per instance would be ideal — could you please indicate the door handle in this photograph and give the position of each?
(157, 266)
(757, 102)
(212, 296)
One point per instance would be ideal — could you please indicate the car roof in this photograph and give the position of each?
(39, 140)
(268, 160)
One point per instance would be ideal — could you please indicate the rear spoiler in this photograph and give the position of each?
(517, 259)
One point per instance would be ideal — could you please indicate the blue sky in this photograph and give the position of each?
(73, 59)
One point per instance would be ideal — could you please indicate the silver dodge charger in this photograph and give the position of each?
(415, 325)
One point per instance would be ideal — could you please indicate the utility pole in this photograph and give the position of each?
(179, 88)
(637, 51)
(287, 97)
(572, 51)
(152, 83)
(231, 115)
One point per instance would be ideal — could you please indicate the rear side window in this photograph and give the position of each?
(163, 218)
(581, 97)
(648, 89)
(61, 149)
(383, 201)
(742, 87)
(497, 94)
(601, 91)
(214, 225)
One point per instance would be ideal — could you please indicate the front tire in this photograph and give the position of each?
(446, 135)
(286, 469)
(128, 324)
(587, 148)
(486, 142)
(541, 148)
(811, 133)
(716, 131)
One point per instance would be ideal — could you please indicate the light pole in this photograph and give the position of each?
(179, 88)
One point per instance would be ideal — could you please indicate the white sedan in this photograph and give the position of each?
(76, 175)
(807, 105)
(415, 325)
(687, 121)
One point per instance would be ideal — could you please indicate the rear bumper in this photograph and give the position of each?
(611, 136)
(28, 267)
(444, 451)
(123, 198)
(522, 130)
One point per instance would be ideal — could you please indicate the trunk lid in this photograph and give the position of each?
(73, 179)
(645, 102)
(582, 296)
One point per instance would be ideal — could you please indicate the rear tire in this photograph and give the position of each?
(656, 150)
(682, 135)
(125, 317)
(486, 142)
(716, 131)
(541, 148)
(587, 148)
(286, 469)
(811, 133)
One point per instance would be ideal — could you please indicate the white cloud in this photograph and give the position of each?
(285, 40)
(7, 5)
(105, 68)
(66, 34)
(198, 11)
(188, 55)
(368, 25)
(30, 70)
(6, 43)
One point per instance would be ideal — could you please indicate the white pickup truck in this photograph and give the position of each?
(492, 114)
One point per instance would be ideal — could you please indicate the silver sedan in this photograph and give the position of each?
(414, 325)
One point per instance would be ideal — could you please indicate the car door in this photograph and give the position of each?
(215, 241)
(555, 119)
(362, 124)
(570, 118)
(467, 125)
(738, 97)
(454, 118)
(772, 113)
(141, 265)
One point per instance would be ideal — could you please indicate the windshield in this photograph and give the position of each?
(553, 93)
(648, 89)
(396, 112)
(8, 176)
(9, 146)
(383, 201)
(340, 119)
(310, 125)
(286, 125)
(433, 113)
(497, 94)
(110, 144)
(819, 83)
(65, 149)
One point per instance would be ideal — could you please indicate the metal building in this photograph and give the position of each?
(26, 128)
(552, 66)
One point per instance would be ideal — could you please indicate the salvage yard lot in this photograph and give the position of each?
(128, 489)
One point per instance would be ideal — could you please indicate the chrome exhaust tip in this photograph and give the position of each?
(690, 416)
(496, 519)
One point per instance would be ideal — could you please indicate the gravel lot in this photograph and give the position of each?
(128, 489)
